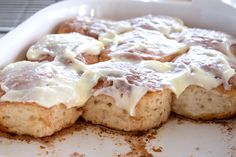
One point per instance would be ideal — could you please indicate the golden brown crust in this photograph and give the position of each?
(218, 116)
(231, 91)
(104, 55)
(90, 59)
(89, 27)
(233, 49)
(71, 25)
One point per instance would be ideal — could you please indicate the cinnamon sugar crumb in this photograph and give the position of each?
(157, 149)
(76, 154)
(42, 147)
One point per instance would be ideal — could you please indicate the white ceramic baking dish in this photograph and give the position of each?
(177, 138)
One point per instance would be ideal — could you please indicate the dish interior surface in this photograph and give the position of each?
(178, 137)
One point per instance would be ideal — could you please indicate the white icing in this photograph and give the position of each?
(164, 24)
(153, 43)
(57, 44)
(52, 83)
(115, 29)
(46, 84)
(127, 99)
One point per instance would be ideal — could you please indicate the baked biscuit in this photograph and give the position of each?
(164, 24)
(206, 98)
(37, 99)
(201, 104)
(35, 120)
(132, 96)
(145, 44)
(210, 39)
(84, 48)
(93, 27)
(152, 110)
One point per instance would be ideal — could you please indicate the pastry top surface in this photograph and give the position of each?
(145, 54)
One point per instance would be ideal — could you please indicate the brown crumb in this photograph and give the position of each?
(197, 148)
(76, 154)
(136, 140)
(151, 134)
(12, 136)
(42, 147)
(138, 146)
(157, 149)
